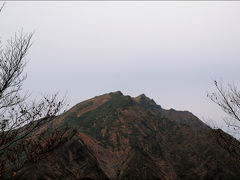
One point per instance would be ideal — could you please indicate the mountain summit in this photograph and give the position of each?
(146, 102)
(120, 137)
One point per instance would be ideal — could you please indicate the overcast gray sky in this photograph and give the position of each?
(171, 51)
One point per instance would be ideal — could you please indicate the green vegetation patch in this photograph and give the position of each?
(94, 121)
(83, 106)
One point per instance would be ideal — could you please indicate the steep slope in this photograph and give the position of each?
(120, 137)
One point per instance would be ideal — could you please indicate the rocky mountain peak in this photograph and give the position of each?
(121, 137)
(146, 102)
(117, 93)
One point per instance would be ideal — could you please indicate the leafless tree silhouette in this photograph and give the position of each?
(227, 97)
(20, 117)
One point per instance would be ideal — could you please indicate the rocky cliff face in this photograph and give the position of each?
(120, 137)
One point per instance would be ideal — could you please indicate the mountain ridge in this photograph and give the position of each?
(123, 137)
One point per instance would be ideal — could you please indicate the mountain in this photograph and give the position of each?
(120, 137)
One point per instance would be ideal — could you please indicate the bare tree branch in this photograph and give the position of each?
(1, 7)
(20, 118)
(228, 99)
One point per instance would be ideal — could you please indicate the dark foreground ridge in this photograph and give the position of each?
(120, 137)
